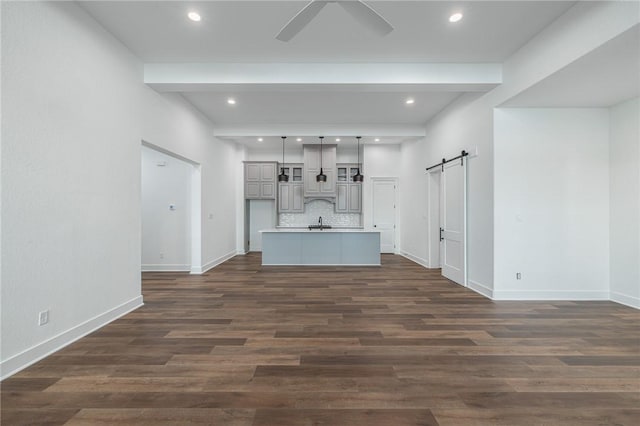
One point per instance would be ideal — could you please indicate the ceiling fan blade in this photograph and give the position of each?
(363, 13)
(298, 22)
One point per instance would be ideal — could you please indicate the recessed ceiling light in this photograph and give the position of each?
(410, 101)
(231, 101)
(194, 16)
(337, 139)
(376, 140)
(260, 139)
(455, 17)
(299, 140)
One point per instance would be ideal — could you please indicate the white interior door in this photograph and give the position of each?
(384, 213)
(453, 208)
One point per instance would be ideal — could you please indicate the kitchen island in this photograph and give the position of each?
(326, 247)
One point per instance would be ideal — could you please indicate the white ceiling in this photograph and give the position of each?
(602, 78)
(321, 107)
(243, 32)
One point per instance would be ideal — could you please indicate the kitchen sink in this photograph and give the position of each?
(320, 227)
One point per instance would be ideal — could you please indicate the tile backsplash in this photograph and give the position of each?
(316, 208)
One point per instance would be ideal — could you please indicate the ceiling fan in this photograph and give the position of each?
(359, 10)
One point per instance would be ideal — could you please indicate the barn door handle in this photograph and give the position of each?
(441, 231)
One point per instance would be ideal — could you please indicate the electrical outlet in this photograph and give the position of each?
(43, 317)
(518, 276)
(161, 255)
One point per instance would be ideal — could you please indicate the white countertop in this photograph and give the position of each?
(306, 230)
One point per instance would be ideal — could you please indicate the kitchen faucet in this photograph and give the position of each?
(320, 221)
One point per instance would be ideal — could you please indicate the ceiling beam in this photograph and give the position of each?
(314, 130)
(338, 76)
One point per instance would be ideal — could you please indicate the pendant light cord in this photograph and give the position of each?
(321, 137)
(282, 168)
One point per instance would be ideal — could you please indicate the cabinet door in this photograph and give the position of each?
(328, 188)
(252, 172)
(342, 199)
(296, 174)
(284, 198)
(352, 172)
(287, 170)
(312, 168)
(355, 198)
(252, 190)
(268, 172)
(297, 198)
(268, 190)
(342, 174)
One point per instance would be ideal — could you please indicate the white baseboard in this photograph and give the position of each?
(34, 354)
(212, 263)
(550, 295)
(420, 261)
(624, 299)
(321, 264)
(480, 288)
(149, 267)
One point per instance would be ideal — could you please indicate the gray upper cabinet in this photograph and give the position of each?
(349, 193)
(312, 168)
(346, 172)
(291, 194)
(291, 198)
(260, 180)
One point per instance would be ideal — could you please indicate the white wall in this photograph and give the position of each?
(166, 212)
(171, 123)
(379, 161)
(625, 202)
(551, 203)
(465, 125)
(468, 123)
(413, 199)
(75, 111)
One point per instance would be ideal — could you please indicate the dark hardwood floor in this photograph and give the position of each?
(395, 345)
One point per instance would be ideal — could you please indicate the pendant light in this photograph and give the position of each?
(358, 177)
(282, 177)
(321, 177)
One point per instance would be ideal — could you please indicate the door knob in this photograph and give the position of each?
(375, 226)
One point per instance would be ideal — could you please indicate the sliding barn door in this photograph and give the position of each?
(453, 217)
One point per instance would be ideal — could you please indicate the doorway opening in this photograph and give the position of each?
(170, 211)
